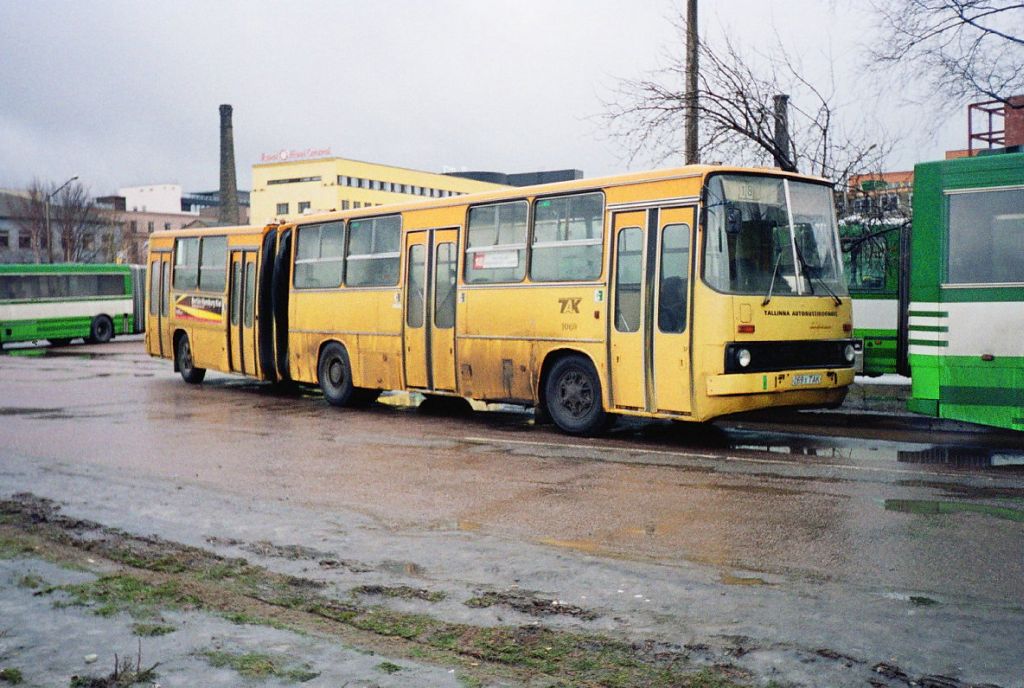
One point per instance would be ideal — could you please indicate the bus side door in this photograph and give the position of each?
(429, 331)
(242, 304)
(158, 329)
(650, 335)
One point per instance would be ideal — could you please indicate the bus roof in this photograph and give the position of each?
(61, 268)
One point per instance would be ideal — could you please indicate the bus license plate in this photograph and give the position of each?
(804, 380)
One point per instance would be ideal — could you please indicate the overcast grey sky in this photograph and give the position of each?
(126, 93)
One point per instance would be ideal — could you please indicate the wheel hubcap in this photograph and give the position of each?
(575, 394)
(335, 372)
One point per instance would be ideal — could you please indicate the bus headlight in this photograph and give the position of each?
(849, 353)
(743, 357)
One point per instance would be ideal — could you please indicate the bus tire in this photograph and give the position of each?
(183, 355)
(102, 330)
(572, 397)
(334, 373)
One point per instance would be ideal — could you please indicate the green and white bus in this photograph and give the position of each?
(60, 302)
(966, 314)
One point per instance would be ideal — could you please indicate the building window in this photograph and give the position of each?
(357, 204)
(167, 226)
(293, 180)
(303, 206)
(149, 226)
(5, 239)
(282, 208)
(87, 242)
(24, 240)
(342, 180)
(344, 205)
(365, 183)
(496, 246)
(372, 256)
(134, 224)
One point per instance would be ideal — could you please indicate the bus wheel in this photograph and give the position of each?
(335, 376)
(102, 330)
(572, 396)
(189, 373)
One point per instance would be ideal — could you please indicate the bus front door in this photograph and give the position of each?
(650, 334)
(242, 300)
(158, 328)
(429, 332)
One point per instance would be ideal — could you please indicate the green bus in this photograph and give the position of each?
(874, 257)
(60, 302)
(966, 314)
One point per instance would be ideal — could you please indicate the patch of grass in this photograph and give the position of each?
(404, 592)
(125, 674)
(11, 675)
(388, 667)
(11, 549)
(150, 630)
(109, 595)
(259, 665)
(30, 580)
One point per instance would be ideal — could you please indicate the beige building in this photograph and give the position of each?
(286, 190)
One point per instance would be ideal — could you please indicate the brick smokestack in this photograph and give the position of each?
(1014, 121)
(228, 184)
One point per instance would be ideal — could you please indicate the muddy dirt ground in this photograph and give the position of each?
(234, 534)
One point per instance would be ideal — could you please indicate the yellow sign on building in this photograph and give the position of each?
(287, 190)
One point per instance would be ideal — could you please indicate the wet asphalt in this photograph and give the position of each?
(780, 538)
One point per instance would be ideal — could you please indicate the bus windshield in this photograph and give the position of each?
(767, 235)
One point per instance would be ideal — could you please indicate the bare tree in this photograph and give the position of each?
(82, 232)
(954, 50)
(737, 115)
(30, 216)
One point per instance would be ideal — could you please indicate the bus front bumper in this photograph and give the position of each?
(783, 381)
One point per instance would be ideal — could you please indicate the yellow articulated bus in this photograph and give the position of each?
(687, 293)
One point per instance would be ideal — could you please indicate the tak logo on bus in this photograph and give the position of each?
(569, 305)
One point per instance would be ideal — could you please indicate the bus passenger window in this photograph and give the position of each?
(675, 262)
(186, 263)
(213, 256)
(496, 243)
(372, 256)
(319, 256)
(628, 258)
(567, 238)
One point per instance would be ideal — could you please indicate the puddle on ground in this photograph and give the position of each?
(929, 507)
(963, 457)
(916, 600)
(406, 568)
(729, 579)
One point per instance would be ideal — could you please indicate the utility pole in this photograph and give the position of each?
(783, 148)
(46, 215)
(692, 156)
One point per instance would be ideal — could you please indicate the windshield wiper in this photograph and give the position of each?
(771, 285)
(811, 274)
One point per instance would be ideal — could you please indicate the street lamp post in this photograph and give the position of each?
(46, 214)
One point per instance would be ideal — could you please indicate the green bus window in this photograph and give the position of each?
(186, 263)
(213, 264)
(567, 238)
(373, 254)
(986, 237)
(672, 285)
(496, 243)
(628, 258)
